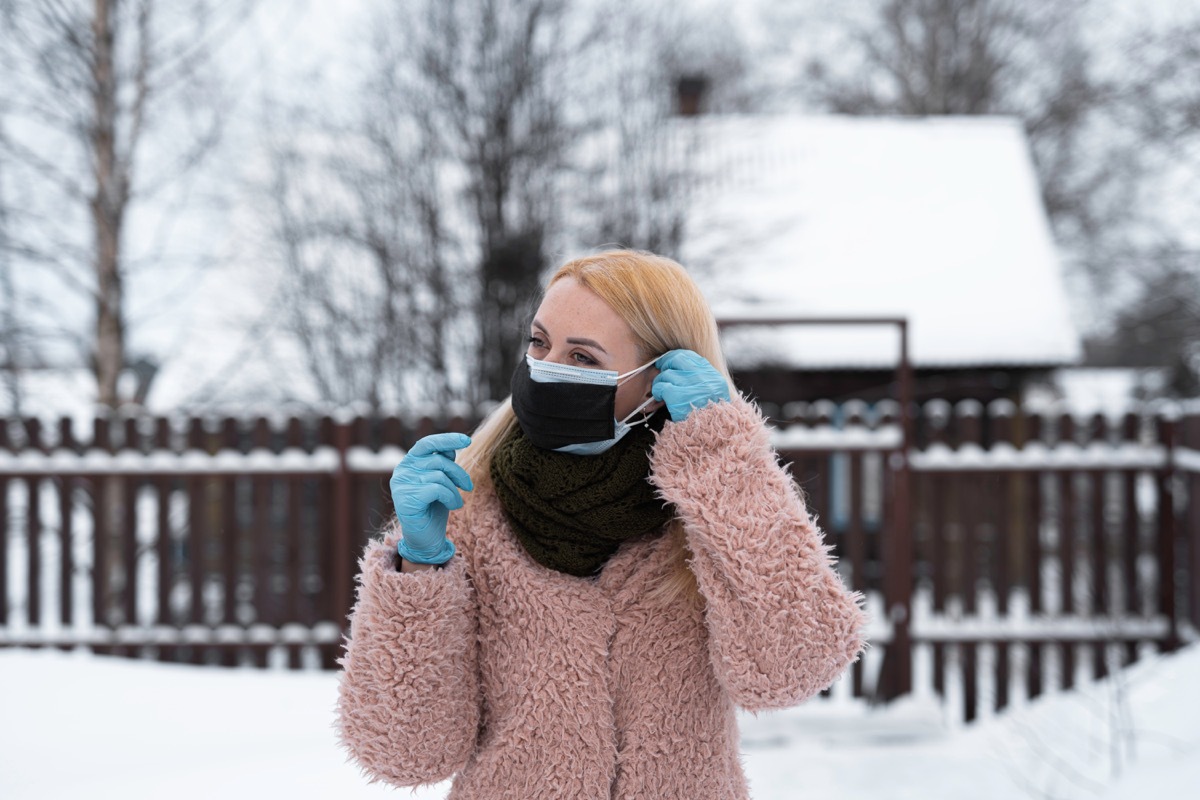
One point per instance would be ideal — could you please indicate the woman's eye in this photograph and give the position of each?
(583, 358)
(536, 342)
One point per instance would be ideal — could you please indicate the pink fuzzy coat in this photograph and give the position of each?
(528, 683)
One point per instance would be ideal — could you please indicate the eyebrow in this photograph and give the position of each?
(575, 339)
(589, 342)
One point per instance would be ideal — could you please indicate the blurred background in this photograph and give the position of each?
(251, 250)
(215, 205)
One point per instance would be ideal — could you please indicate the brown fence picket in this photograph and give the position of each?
(1166, 536)
(970, 434)
(292, 564)
(1130, 529)
(162, 487)
(1098, 546)
(938, 499)
(101, 519)
(33, 529)
(128, 528)
(1189, 433)
(66, 550)
(232, 536)
(5, 527)
(1005, 549)
(197, 536)
(1033, 435)
(259, 554)
(1067, 509)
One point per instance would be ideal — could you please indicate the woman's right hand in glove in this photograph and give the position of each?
(425, 489)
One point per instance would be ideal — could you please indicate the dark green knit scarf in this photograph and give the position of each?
(572, 512)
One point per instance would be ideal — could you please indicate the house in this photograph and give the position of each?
(937, 221)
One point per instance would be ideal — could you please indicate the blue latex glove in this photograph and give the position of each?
(685, 381)
(425, 488)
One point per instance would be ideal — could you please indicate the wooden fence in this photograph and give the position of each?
(1045, 549)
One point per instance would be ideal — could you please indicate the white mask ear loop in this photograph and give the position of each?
(626, 376)
(636, 410)
(622, 378)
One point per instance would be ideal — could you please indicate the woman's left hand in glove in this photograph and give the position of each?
(685, 381)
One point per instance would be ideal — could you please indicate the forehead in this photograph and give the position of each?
(571, 309)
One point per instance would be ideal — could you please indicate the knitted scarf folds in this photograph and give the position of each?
(572, 512)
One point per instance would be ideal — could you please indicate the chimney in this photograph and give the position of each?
(689, 95)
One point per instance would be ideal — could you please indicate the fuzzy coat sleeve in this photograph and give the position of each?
(408, 700)
(781, 624)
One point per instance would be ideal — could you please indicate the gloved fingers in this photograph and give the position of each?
(436, 462)
(681, 359)
(668, 383)
(437, 490)
(444, 443)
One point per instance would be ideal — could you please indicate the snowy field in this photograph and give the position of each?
(74, 725)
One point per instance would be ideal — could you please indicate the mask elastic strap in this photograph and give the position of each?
(622, 378)
(636, 410)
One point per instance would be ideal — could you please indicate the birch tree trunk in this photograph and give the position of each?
(107, 209)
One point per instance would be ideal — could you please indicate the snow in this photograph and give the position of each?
(1089, 390)
(1036, 455)
(87, 726)
(827, 437)
(937, 220)
(322, 460)
(156, 635)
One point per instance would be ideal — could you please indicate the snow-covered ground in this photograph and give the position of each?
(75, 725)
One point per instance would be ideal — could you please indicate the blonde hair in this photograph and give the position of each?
(666, 311)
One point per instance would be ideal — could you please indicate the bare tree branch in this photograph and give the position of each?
(99, 77)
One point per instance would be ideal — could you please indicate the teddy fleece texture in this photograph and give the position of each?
(527, 683)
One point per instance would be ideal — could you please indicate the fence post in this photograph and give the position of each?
(342, 539)
(102, 504)
(4, 535)
(33, 527)
(230, 556)
(66, 556)
(128, 532)
(898, 546)
(1166, 425)
(1190, 439)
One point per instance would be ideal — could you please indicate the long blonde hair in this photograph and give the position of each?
(666, 311)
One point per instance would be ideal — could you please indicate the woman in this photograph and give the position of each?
(629, 564)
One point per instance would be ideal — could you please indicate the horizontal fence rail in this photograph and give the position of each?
(1047, 549)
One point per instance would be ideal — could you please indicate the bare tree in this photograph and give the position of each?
(634, 172)
(487, 86)
(486, 137)
(372, 293)
(12, 362)
(1161, 326)
(107, 105)
(1164, 88)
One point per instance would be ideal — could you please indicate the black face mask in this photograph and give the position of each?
(555, 415)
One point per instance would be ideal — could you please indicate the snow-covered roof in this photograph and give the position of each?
(938, 220)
